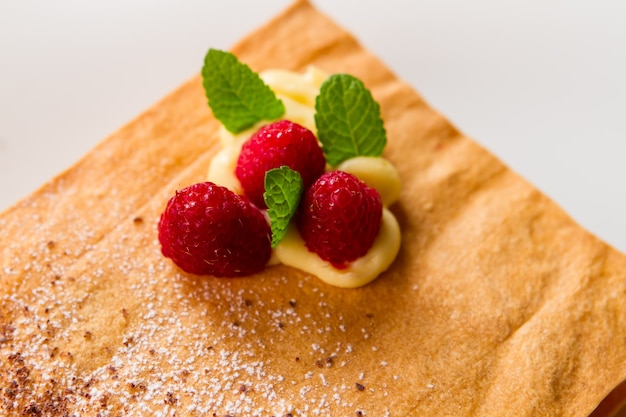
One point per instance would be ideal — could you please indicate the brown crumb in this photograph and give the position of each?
(243, 388)
(32, 410)
(359, 413)
(360, 387)
(140, 386)
(292, 303)
(54, 351)
(11, 391)
(171, 399)
(138, 220)
(6, 332)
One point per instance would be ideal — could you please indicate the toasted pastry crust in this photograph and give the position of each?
(498, 304)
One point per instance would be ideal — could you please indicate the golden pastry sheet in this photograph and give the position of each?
(498, 304)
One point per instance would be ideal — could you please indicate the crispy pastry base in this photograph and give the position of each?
(498, 304)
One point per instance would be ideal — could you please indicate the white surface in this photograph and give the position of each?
(540, 83)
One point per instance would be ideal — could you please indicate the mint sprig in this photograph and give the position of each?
(283, 188)
(237, 95)
(348, 120)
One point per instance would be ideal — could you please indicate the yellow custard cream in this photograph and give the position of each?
(298, 92)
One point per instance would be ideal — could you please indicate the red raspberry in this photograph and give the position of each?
(207, 229)
(272, 146)
(339, 218)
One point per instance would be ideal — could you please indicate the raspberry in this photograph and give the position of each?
(339, 218)
(207, 229)
(275, 145)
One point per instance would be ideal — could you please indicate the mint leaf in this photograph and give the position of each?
(283, 188)
(348, 120)
(236, 94)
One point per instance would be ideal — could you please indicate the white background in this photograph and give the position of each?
(541, 83)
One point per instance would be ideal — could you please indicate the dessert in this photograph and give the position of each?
(498, 303)
(330, 224)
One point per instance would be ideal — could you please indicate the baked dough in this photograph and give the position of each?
(498, 304)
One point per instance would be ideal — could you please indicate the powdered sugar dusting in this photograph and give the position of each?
(107, 325)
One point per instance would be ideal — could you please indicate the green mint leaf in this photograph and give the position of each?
(348, 120)
(283, 188)
(236, 94)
